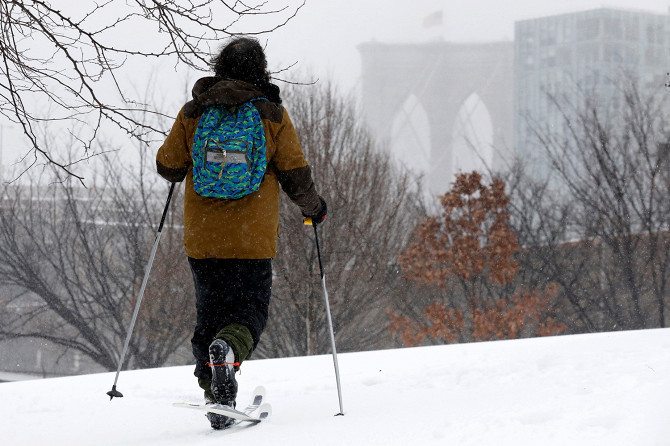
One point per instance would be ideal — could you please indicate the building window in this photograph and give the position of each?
(653, 55)
(588, 29)
(654, 33)
(612, 53)
(588, 54)
(547, 35)
(528, 60)
(612, 28)
(548, 58)
(632, 56)
(632, 29)
(564, 56)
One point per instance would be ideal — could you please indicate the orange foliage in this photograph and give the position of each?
(473, 242)
(503, 319)
(470, 239)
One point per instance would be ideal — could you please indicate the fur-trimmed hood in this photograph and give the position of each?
(212, 91)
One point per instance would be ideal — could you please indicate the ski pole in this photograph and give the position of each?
(115, 393)
(308, 221)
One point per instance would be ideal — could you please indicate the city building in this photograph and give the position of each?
(565, 59)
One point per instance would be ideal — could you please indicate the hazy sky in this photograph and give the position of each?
(324, 35)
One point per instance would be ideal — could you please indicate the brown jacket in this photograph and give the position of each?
(246, 228)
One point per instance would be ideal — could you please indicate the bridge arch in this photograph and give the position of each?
(442, 78)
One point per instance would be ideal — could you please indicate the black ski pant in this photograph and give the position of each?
(228, 291)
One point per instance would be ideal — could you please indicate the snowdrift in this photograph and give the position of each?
(603, 389)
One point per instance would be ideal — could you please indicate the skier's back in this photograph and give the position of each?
(230, 243)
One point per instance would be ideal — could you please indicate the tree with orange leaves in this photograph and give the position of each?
(469, 251)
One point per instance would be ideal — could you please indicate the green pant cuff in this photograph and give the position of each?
(240, 340)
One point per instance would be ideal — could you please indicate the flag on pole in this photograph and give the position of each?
(434, 19)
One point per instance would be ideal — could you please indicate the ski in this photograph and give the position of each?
(263, 412)
(256, 400)
(255, 412)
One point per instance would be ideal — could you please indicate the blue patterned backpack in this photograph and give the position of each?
(229, 151)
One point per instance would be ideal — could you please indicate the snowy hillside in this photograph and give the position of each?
(606, 389)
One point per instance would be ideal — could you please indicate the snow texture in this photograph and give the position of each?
(604, 389)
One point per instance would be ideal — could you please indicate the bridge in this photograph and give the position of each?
(441, 107)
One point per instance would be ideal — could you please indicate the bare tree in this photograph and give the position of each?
(611, 163)
(372, 208)
(63, 62)
(543, 221)
(75, 258)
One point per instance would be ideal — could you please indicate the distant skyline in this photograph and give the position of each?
(324, 36)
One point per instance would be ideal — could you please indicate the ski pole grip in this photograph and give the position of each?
(307, 221)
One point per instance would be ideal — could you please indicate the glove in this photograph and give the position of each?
(320, 215)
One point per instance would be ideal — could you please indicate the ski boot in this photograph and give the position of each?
(224, 384)
(216, 420)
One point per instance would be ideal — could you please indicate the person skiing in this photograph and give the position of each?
(230, 243)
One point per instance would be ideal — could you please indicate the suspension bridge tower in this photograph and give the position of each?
(441, 107)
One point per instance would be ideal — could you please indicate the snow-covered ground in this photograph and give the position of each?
(606, 389)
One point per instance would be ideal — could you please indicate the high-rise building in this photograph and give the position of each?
(570, 55)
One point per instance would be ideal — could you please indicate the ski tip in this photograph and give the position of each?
(264, 411)
(258, 395)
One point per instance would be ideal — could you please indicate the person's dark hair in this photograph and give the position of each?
(242, 59)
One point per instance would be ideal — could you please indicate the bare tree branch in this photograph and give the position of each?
(609, 251)
(71, 58)
(77, 257)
